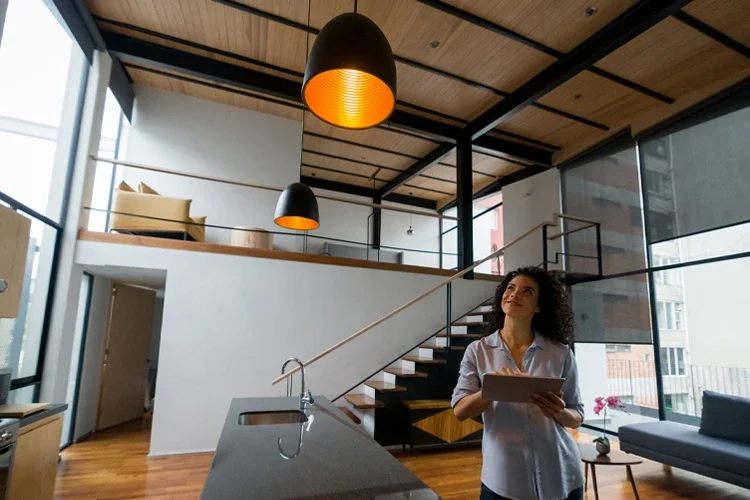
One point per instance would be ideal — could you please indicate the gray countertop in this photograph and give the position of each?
(54, 409)
(336, 459)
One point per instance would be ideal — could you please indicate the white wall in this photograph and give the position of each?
(426, 236)
(230, 321)
(179, 132)
(527, 203)
(88, 397)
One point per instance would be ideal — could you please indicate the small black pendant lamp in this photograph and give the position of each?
(297, 208)
(350, 77)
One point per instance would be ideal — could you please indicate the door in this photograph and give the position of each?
(126, 353)
(14, 243)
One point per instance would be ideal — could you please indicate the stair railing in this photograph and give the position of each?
(553, 223)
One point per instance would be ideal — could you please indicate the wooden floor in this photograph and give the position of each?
(113, 465)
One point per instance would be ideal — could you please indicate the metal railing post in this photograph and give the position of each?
(545, 265)
(448, 308)
(599, 262)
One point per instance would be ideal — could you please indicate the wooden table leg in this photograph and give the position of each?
(586, 476)
(593, 476)
(632, 481)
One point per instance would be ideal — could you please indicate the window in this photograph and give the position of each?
(636, 220)
(617, 348)
(673, 361)
(667, 277)
(669, 315)
(659, 183)
(41, 77)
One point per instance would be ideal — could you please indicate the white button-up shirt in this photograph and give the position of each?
(525, 454)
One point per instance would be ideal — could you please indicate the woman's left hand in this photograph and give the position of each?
(551, 404)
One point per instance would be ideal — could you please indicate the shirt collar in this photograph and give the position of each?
(495, 340)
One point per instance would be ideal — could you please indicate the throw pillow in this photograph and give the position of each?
(725, 417)
(146, 189)
(124, 186)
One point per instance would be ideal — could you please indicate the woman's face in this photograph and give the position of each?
(521, 298)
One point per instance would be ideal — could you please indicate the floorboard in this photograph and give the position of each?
(113, 464)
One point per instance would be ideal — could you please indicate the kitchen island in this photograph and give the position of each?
(325, 457)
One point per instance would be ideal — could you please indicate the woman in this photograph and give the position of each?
(527, 453)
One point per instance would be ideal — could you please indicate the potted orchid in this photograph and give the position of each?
(604, 405)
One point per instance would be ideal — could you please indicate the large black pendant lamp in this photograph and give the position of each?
(350, 78)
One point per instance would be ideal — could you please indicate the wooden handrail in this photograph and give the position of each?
(266, 187)
(555, 220)
(569, 231)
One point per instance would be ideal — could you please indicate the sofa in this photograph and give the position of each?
(720, 448)
(148, 213)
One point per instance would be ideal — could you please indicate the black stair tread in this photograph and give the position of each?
(405, 373)
(461, 335)
(428, 361)
(382, 386)
(346, 411)
(426, 404)
(363, 401)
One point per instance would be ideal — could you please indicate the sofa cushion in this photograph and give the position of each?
(146, 189)
(684, 441)
(726, 417)
(124, 186)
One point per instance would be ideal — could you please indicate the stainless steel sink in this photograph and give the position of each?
(272, 417)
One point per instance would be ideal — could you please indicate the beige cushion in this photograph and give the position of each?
(124, 186)
(146, 189)
(197, 230)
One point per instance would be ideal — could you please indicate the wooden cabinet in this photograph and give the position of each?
(14, 244)
(35, 461)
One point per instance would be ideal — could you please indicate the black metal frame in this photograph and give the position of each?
(315, 182)
(81, 356)
(711, 32)
(627, 26)
(426, 162)
(464, 203)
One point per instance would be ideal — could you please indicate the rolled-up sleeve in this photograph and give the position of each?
(571, 391)
(468, 377)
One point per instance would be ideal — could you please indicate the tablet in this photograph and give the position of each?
(517, 388)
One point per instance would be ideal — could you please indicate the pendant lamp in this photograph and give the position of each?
(350, 77)
(297, 208)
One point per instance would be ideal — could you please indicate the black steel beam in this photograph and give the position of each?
(465, 205)
(627, 26)
(507, 33)
(341, 187)
(709, 31)
(429, 160)
(166, 58)
(497, 185)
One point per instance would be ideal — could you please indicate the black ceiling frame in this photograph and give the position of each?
(508, 33)
(614, 35)
(298, 74)
(426, 162)
(341, 187)
(410, 62)
(498, 184)
(712, 32)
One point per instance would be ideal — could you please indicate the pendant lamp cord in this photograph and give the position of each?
(307, 50)
(355, 6)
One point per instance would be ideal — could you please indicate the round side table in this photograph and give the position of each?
(590, 456)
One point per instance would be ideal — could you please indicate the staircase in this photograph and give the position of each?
(408, 402)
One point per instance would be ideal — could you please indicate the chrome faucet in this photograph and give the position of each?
(304, 399)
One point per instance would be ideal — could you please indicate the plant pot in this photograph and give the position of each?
(602, 448)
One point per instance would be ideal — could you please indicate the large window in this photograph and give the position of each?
(488, 235)
(38, 94)
(670, 315)
(673, 361)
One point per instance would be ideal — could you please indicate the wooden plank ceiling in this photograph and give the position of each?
(450, 69)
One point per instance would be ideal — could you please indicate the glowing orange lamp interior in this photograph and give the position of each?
(296, 222)
(349, 98)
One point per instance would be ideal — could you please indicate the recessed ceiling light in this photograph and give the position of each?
(434, 44)
(312, 173)
(590, 11)
(411, 193)
(361, 157)
(577, 96)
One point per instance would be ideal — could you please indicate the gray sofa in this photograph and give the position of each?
(719, 449)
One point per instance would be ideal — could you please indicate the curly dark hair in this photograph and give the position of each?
(555, 317)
